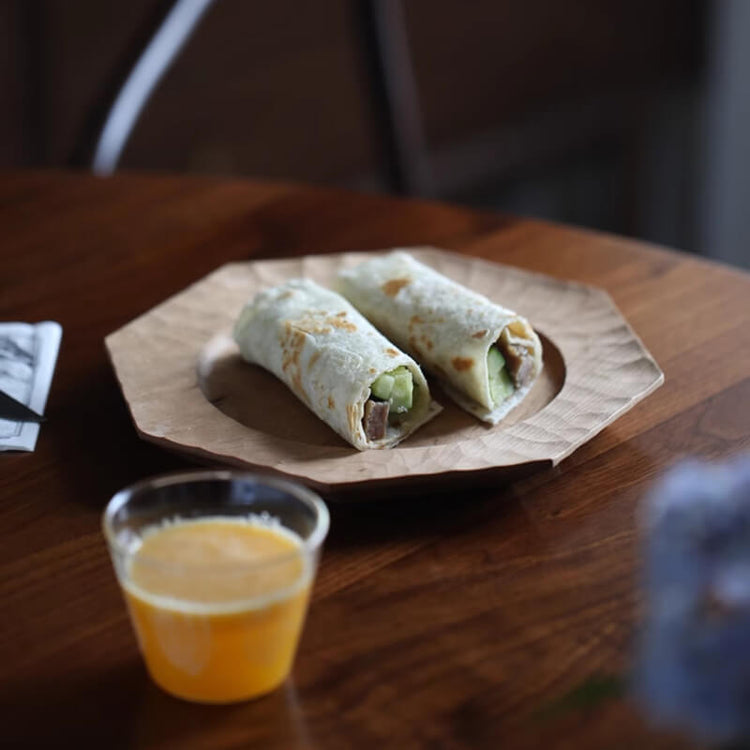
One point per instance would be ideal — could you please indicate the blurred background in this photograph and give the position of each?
(630, 116)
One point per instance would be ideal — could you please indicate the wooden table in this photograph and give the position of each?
(444, 621)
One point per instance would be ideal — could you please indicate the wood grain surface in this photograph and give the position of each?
(444, 620)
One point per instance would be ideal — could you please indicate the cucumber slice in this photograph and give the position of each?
(402, 395)
(501, 384)
(382, 386)
(495, 360)
(397, 388)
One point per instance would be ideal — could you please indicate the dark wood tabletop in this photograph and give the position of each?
(459, 619)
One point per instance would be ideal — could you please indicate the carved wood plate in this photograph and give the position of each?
(188, 389)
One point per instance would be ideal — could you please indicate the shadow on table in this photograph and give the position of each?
(90, 710)
(122, 708)
(433, 507)
(80, 442)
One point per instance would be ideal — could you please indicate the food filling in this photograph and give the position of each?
(510, 365)
(501, 385)
(392, 396)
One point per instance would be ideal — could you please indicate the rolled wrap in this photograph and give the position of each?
(314, 341)
(446, 327)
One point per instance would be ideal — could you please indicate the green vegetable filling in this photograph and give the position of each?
(501, 383)
(397, 388)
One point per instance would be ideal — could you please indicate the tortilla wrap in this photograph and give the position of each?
(446, 327)
(328, 355)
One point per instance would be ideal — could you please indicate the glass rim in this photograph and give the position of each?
(295, 490)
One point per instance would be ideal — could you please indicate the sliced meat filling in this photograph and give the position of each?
(375, 420)
(518, 360)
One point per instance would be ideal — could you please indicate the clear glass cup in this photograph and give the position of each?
(216, 568)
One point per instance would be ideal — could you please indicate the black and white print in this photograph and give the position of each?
(28, 354)
(17, 359)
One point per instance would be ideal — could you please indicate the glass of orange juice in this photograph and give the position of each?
(216, 568)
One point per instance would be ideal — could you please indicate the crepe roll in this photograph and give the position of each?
(336, 363)
(486, 356)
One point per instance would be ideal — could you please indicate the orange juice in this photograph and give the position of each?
(217, 604)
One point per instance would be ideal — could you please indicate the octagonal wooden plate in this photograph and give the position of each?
(188, 389)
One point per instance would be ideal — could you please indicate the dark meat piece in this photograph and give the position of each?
(375, 420)
(520, 363)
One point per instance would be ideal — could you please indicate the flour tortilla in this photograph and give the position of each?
(446, 327)
(328, 355)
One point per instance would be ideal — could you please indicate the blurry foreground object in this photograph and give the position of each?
(693, 660)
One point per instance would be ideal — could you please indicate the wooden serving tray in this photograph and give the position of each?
(188, 389)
